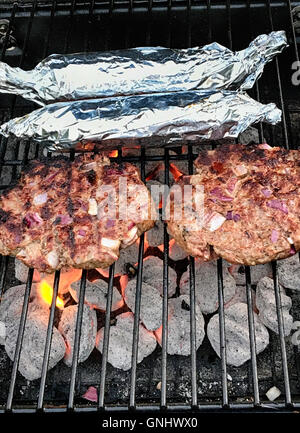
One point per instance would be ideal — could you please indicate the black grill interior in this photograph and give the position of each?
(201, 381)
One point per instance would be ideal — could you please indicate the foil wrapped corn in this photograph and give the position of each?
(209, 69)
(156, 119)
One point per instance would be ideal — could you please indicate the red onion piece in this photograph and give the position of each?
(274, 236)
(236, 217)
(266, 192)
(279, 205)
(131, 225)
(64, 219)
(32, 219)
(52, 176)
(240, 170)
(219, 194)
(231, 184)
(229, 215)
(81, 232)
(110, 224)
(265, 146)
(91, 394)
(292, 250)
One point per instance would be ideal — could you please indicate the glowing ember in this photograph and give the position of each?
(175, 171)
(113, 154)
(153, 173)
(46, 292)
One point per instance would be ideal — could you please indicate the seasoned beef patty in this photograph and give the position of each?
(60, 215)
(251, 205)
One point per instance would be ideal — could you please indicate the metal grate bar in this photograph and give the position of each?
(50, 28)
(171, 36)
(192, 311)
(19, 341)
(252, 336)
(48, 342)
(137, 306)
(75, 354)
(285, 369)
(106, 337)
(222, 333)
(278, 76)
(163, 398)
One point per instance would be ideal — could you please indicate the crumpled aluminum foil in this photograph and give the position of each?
(156, 119)
(142, 70)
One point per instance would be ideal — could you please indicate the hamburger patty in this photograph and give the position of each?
(60, 215)
(251, 205)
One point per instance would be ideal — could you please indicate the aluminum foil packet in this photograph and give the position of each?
(142, 70)
(154, 120)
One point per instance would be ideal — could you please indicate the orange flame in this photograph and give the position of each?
(175, 171)
(113, 154)
(46, 292)
(153, 173)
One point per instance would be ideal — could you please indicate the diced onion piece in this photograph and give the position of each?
(92, 207)
(217, 192)
(40, 198)
(240, 170)
(279, 205)
(290, 240)
(52, 259)
(266, 192)
(131, 236)
(215, 222)
(91, 394)
(265, 146)
(110, 243)
(64, 219)
(274, 236)
(90, 166)
(273, 393)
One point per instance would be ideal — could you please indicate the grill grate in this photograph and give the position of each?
(79, 26)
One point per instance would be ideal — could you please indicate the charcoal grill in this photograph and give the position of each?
(201, 382)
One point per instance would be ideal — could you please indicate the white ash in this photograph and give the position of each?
(153, 275)
(150, 307)
(249, 135)
(155, 236)
(266, 304)
(289, 272)
(206, 285)
(127, 256)
(21, 271)
(2, 333)
(256, 272)
(241, 296)
(33, 346)
(176, 252)
(237, 334)
(13, 299)
(96, 295)
(67, 327)
(179, 342)
(120, 342)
